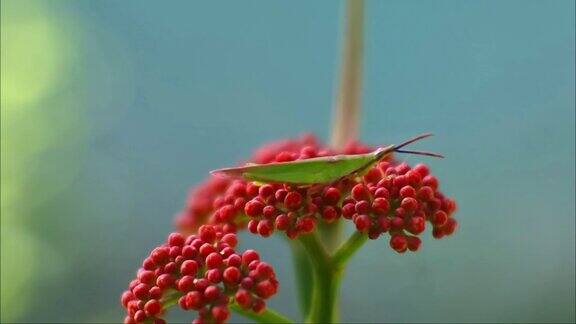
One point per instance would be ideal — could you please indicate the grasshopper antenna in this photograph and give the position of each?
(421, 153)
(397, 148)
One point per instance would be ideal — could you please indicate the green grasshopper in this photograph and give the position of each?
(318, 170)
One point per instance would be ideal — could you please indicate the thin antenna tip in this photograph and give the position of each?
(412, 140)
(432, 154)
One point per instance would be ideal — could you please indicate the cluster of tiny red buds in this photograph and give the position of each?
(200, 204)
(399, 200)
(204, 273)
(390, 197)
(280, 207)
(294, 210)
(220, 201)
(272, 206)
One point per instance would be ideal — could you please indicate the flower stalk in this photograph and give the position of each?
(346, 120)
(328, 270)
(326, 281)
(304, 276)
(348, 248)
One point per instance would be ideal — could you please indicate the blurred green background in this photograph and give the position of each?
(112, 110)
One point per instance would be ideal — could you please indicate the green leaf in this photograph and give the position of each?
(307, 172)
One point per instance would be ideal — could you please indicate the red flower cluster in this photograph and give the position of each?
(204, 273)
(398, 199)
(390, 197)
(226, 203)
(220, 201)
(280, 207)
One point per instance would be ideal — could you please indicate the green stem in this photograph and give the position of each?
(331, 234)
(348, 248)
(170, 298)
(328, 272)
(303, 276)
(316, 251)
(324, 308)
(267, 316)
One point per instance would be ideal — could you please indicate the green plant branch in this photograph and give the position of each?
(267, 316)
(316, 251)
(324, 308)
(170, 298)
(303, 276)
(348, 248)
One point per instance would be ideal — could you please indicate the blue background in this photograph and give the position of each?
(138, 100)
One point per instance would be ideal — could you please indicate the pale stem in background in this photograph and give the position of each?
(346, 117)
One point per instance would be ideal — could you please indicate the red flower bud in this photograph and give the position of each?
(331, 195)
(254, 207)
(399, 243)
(362, 222)
(293, 200)
(152, 307)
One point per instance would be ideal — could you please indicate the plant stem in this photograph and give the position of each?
(347, 250)
(303, 276)
(170, 298)
(347, 109)
(316, 251)
(267, 316)
(326, 281)
(324, 307)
